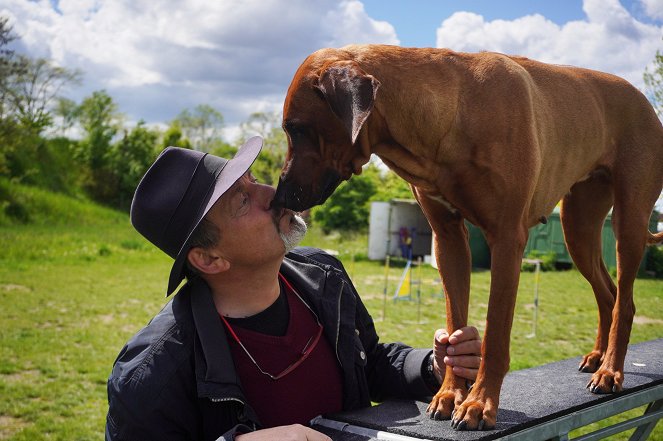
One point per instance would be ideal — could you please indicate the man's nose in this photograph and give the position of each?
(266, 194)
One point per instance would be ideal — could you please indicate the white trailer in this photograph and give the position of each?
(385, 223)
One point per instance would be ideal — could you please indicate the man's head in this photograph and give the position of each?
(178, 191)
(242, 231)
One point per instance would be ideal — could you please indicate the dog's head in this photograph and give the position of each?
(326, 106)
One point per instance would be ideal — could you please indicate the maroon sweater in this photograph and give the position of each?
(312, 388)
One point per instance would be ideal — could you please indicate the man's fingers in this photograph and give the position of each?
(441, 336)
(471, 347)
(470, 374)
(466, 333)
(463, 361)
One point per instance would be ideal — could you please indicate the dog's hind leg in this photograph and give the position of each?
(583, 213)
(635, 194)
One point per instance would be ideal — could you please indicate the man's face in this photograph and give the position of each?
(250, 231)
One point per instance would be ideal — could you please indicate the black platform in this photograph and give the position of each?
(529, 398)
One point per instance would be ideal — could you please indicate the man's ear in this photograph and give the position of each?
(207, 261)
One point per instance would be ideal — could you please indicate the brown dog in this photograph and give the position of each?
(496, 140)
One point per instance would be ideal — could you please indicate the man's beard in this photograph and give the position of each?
(297, 232)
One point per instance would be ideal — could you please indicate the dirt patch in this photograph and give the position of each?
(10, 425)
(11, 287)
(642, 320)
(21, 377)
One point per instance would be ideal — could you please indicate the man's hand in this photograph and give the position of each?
(460, 350)
(295, 432)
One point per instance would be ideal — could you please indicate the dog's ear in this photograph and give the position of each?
(350, 93)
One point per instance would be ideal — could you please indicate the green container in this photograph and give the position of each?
(478, 247)
(549, 237)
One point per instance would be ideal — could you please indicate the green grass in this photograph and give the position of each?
(77, 283)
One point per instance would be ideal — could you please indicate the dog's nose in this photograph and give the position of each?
(279, 199)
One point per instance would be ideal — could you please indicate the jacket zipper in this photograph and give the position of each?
(218, 400)
(338, 321)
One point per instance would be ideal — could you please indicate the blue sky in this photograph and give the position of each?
(415, 22)
(160, 57)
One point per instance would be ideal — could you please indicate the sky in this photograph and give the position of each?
(159, 57)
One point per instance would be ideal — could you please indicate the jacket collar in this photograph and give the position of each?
(319, 284)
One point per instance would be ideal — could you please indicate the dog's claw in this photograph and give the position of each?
(481, 424)
(462, 425)
(437, 416)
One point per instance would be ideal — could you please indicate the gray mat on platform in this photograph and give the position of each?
(529, 397)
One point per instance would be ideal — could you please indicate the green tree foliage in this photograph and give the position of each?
(66, 111)
(32, 91)
(99, 119)
(389, 184)
(128, 160)
(28, 90)
(348, 207)
(202, 126)
(173, 136)
(267, 167)
(654, 83)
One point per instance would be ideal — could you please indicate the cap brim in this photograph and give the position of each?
(234, 169)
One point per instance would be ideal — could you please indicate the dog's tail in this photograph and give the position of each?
(655, 238)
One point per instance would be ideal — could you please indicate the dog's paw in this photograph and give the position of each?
(442, 405)
(474, 415)
(591, 362)
(605, 381)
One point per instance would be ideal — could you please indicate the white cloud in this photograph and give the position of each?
(654, 8)
(349, 24)
(609, 39)
(158, 57)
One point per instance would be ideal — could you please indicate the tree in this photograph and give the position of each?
(202, 126)
(348, 207)
(128, 160)
(28, 88)
(67, 111)
(100, 120)
(654, 83)
(31, 91)
(267, 167)
(9, 67)
(173, 137)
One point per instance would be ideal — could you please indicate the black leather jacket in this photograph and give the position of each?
(175, 379)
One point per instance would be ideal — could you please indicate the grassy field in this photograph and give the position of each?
(75, 287)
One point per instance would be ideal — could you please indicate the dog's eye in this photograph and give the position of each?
(294, 129)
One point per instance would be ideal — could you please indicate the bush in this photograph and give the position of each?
(655, 261)
(347, 208)
(547, 261)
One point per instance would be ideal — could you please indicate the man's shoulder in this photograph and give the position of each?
(316, 255)
(150, 359)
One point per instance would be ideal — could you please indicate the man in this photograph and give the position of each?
(262, 337)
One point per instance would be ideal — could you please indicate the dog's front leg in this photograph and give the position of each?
(454, 262)
(479, 410)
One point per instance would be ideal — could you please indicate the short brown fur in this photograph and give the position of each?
(497, 140)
